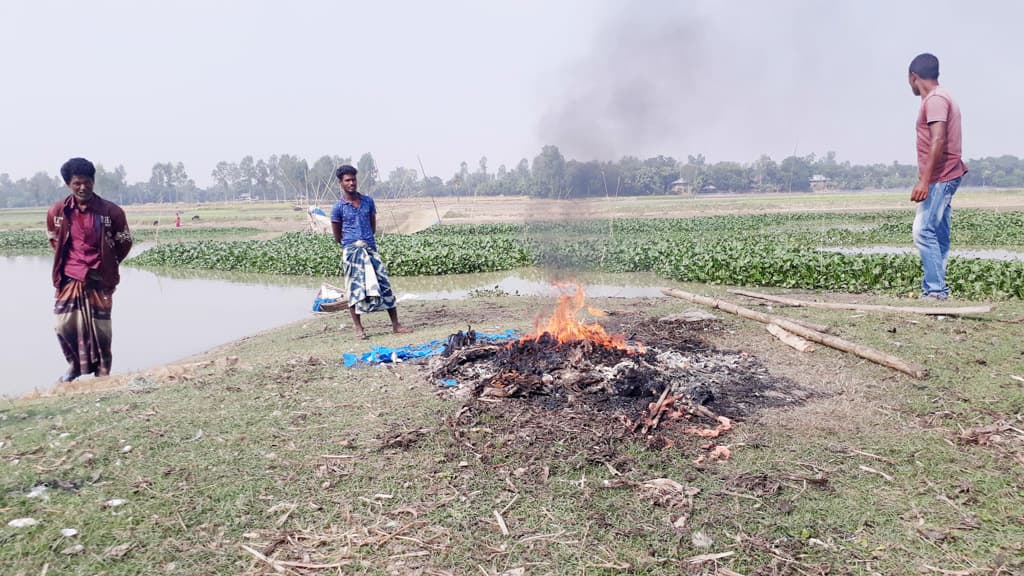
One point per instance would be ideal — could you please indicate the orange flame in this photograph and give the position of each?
(564, 325)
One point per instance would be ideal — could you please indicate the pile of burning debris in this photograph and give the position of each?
(566, 361)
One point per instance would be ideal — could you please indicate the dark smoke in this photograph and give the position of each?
(626, 94)
(672, 78)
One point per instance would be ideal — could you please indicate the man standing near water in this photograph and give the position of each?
(90, 238)
(354, 222)
(940, 168)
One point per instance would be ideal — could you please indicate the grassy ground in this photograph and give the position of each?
(285, 462)
(326, 470)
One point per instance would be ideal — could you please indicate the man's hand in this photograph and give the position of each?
(920, 191)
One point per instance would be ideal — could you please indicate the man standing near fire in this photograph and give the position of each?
(354, 222)
(940, 169)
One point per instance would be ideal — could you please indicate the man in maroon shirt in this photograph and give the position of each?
(90, 238)
(940, 168)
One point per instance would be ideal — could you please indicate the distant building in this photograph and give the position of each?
(820, 183)
(681, 186)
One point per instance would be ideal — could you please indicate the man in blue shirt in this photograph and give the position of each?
(354, 222)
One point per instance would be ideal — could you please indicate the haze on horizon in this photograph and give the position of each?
(135, 83)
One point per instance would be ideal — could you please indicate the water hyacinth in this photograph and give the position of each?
(778, 250)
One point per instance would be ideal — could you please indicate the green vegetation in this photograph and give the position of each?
(318, 255)
(23, 242)
(780, 250)
(34, 241)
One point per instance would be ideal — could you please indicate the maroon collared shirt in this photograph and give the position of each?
(84, 248)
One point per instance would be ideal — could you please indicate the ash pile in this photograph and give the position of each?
(671, 382)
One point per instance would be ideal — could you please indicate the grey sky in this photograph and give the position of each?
(139, 82)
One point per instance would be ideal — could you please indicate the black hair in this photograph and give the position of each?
(77, 167)
(926, 66)
(345, 169)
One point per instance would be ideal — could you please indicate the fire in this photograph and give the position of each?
(564, 325)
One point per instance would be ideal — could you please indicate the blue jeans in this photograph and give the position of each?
(931, 236)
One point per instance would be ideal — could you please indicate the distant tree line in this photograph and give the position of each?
(548, 175)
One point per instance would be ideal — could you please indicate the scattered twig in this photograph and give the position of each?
(747, 496)
(401, 529)
(869, 455)
(611, 566)
(709, 557)
(611, 468)
(284, 517)
(509, 505)
(879, 472)
(501, 523)
(410, 555)
(526, 539)
(947, 572)
(308, 566)
(259, 556)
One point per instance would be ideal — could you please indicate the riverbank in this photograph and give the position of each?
(272, 458)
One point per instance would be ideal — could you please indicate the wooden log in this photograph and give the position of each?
(816, 327)
(865, 352)
(957, 311)
(789, 339)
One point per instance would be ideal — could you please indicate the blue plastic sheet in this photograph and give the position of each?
(386, 355)
(317, 301)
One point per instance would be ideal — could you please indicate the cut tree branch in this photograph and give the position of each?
(865, 352)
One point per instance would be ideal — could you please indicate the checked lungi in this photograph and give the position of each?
(366, 279)
(83, 325)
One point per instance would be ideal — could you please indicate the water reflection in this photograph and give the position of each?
(525, 282)
(157, 319)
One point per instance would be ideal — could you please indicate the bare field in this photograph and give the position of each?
(411, 214)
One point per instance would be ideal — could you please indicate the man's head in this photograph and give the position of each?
(924, 72)
(346, 175)
(78, 175)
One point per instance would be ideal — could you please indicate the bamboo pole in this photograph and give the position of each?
(816, 327)
(959, 311)
(865, 352)
(789, 339)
